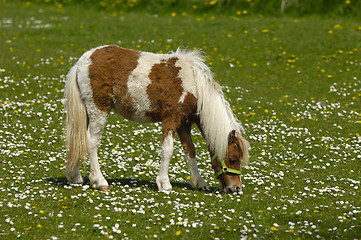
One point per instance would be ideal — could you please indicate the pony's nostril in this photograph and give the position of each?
(238, 189)
(228, 190)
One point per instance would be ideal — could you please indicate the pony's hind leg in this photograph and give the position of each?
(97, 121)
(73, 175)
(184, 133)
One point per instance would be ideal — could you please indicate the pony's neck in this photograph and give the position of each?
(215, 115)
(217, 120)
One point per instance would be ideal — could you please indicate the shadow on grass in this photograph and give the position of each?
(132, 182)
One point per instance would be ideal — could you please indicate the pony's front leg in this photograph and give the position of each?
(196, 179)
(166, 154)
(95, 130)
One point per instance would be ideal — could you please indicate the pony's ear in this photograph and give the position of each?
(244, 144)
(231, 137)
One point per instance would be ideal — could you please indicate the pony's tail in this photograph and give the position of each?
(76, 122)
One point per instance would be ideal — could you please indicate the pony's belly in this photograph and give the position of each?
(134, 116)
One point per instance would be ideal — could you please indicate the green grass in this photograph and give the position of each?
(294, 83)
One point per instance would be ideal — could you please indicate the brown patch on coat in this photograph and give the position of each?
(108, 73)
(164, 93)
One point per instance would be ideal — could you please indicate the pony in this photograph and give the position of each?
(176, 89)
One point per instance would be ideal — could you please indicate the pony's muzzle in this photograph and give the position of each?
(235, 188)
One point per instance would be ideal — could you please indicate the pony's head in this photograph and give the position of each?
(228, 170)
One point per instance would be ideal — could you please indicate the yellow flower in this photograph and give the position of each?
(213, 2)
(178, 233)
(274, 229)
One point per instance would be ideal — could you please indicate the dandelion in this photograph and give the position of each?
(274, 229)
(213, 2)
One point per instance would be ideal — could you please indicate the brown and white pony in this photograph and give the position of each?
(176, 89)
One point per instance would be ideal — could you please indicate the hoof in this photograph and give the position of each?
(104, 189)
(164, 184)
(204, 189)
(198, 183)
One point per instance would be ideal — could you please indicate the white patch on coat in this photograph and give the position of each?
(138, 82)
(186, 73)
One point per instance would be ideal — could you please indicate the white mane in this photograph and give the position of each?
(214, 111)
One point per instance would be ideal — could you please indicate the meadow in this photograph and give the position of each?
(294, 83)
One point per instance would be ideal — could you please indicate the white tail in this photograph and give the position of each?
(76, 121)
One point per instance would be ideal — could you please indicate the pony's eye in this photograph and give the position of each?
(232, 160)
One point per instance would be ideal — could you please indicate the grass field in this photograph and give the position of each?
(294, 84)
